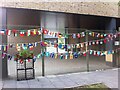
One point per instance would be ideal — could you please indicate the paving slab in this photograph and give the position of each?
(22, 84)
(9, 84)
(59, 84)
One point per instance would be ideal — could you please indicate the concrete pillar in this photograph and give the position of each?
(3, 40)
(110, 26)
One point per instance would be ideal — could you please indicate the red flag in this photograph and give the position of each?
(8, 32)
(84, 54)
(78, 35)
(45, 31)
(31, 33)
(22, 34)
(105, 40)
(15, 32)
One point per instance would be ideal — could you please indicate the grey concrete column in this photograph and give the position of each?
(110, 26)
(3, 40)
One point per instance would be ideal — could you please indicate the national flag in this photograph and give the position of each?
(30, 45)
(31, 33)
(73, 35)
(28, 33)
(45, 31)
(8, 32)
(2, 32)
(15, 32)
(66, 56)
(35, 44)
(71, 56)
(22, 34)
(34, 31)
(38, 32)
(18, 47)
(78, 35)
(56, 55)
(97, 42)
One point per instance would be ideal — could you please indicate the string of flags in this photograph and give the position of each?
(106, 38)
(78, 45)
(73, 55)
(102, 35)
(70, 55)
(10, 57)
(46, 43)
(33, 32)
(79, 35)
(22, 33)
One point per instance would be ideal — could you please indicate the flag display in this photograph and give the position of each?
(103, 39)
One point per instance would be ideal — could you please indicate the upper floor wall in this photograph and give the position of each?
(99, 8)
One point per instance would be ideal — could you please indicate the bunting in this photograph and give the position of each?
(33, 32)
(48, 43)
(61, 56)
(80, 35)
(72, 55)
(21, 33)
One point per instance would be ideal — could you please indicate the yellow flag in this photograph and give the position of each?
(93, 34)
(56, 56)
(71, 56)
(34, 31)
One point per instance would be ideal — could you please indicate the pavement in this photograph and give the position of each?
(108, 77)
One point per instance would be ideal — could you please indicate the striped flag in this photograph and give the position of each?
(38, 32)
(8, 32)
(0, 47)
(28, 33)
(2, 32)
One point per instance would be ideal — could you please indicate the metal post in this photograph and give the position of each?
(42, 51)
(66, 41)
(87, 54)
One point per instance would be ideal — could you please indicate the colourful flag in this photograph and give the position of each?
(8, 32)
(28, 33)
(22, 34)
(56, 55)
(2, 32)
(71, 56)
(66, 56)
(73, 35)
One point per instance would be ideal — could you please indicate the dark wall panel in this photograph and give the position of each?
(22, 17)
(23, 20)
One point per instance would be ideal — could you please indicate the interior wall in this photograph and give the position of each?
(118, 24)
(53, 21)
(92, 22)
(81, 23)
(73, 25)
(95, 24)
(22, 17)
